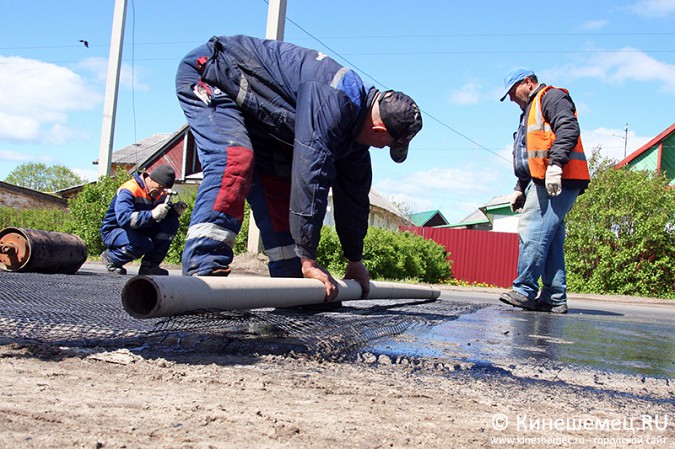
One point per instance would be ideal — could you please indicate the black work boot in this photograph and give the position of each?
(152, 269)
(515, 299)
(110, 266)
(541, 306)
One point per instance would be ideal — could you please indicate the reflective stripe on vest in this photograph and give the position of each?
(539, 141)
(213, 232)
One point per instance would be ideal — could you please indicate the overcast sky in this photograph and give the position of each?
(617, 59)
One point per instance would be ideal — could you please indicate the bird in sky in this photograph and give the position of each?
(86, 43)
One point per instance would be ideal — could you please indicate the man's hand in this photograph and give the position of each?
(553, 180)
(312, 270)
(160, 211)
(358, 272)
(180, 207)
(517, 200)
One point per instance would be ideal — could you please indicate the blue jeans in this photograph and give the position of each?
(541, 232)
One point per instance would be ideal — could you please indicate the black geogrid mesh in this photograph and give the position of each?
(85, 309)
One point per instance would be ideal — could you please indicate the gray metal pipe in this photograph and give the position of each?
(160, 296)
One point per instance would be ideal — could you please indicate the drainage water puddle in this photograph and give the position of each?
(496, 334)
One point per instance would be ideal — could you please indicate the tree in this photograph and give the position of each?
(621, 233)
(38, 176)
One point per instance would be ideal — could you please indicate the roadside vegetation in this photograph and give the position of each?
(621, 235)
(388, 254)
(44, 178)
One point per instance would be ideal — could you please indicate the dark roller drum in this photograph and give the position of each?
(30, 250)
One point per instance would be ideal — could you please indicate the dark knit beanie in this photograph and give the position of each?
(164, 175)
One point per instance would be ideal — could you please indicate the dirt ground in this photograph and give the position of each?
(57, 398)
(202, 397)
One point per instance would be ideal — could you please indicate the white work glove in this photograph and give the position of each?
(160, 211)
(180, 207)
(517, 200)
(553, 180)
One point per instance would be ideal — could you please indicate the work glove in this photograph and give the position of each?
(160, 211)
(180, 207)
(553, 180)
(517, 200)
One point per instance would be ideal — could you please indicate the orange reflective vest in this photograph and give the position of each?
(539, 140)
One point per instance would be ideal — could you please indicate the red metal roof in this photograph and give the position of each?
(655, 141)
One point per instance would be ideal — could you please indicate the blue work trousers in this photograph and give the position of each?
(236, 159)
(152, 244)
(541, 232)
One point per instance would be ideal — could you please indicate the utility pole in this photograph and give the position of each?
(276, 20)
(111, 88)
(625, 140)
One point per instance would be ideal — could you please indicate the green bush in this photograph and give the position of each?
(88, 208)
(621, 234)
(387, 254)
(241, 243)
(188, 194)
(390, 255)
(42, 219)
(329, 252)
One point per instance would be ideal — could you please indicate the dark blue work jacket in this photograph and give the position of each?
(307, 100)
(131, 208)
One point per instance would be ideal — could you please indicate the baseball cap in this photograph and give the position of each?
(403, 120)
(515, 76)
(165, 175)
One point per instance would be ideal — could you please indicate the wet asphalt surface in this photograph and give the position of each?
(636, 339)
(605, 335)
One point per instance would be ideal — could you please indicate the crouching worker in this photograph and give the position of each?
(140, 223)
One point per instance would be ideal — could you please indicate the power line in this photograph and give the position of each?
(383, 53)
(388, 37)
(440, 122)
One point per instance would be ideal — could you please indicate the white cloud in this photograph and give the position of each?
(613, 142)
(466, 95)
(38, 96)
(654, 8)
(14, 156)
(129, 78)
(59, 135)
(89, 175)
(17, 127)
(456, 191)
(438, 180)
(594, 24)
(97, 66)
(627, 64)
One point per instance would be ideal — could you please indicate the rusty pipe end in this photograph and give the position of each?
(140, 296)
(8, 249)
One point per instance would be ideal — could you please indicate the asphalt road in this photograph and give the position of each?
(603, 333)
